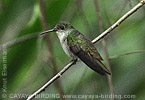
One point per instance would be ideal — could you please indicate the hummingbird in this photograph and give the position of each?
(76, 45)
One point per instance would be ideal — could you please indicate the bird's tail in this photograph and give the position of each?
(103, 69)
(94, 64)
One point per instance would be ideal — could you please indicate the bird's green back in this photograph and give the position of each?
(75, 38)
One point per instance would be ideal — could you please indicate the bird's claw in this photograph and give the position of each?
(74, 60)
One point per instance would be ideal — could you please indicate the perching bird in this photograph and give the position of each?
(76, 45)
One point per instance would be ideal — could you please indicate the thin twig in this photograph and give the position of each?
(58, 75)
(133, 10)
(104, 48)
(142, 7)
(109, 23)
(47, 38)
(125, 54)
(94, 41)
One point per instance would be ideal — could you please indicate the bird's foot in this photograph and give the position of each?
(75, 60)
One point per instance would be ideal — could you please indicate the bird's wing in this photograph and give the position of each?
(82, 47)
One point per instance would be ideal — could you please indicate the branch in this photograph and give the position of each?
(47, 38)
(58, 75)
(94, 41)
(133, 10)
(128, 53)
(104, 48)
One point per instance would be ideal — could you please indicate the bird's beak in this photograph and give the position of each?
(48, 31)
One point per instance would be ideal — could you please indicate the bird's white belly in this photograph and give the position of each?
(66, 49)
(63, 40)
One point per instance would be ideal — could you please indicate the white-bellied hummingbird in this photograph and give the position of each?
(76, 45)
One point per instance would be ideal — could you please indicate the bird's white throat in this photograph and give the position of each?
(62, 35)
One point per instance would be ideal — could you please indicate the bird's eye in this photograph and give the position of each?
(62, 27)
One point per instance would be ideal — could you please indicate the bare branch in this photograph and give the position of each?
(104, 48)
(58, 75)
(94, 41)
(125, 54)
(133, 10)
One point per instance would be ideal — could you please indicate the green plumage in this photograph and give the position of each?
(82, 47)
(76, 45)
(76, 38)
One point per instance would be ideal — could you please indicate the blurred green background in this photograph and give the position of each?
(27, 60)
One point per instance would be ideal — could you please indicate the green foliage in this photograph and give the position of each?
(27, 61)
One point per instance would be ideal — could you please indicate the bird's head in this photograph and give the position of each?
(61, 27)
